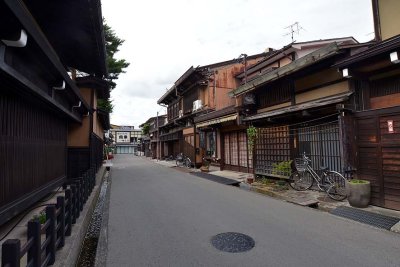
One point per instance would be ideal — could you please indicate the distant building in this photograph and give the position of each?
(126, 139)
(151, 141)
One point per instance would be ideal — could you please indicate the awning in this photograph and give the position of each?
(307, 105)
(216, 121)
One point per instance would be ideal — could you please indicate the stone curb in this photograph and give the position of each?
(69, 254)
(102, 244)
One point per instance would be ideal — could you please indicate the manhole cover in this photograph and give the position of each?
(232, 242)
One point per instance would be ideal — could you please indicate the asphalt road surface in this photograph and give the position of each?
(159, 216)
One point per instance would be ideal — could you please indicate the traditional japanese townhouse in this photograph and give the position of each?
(177, 135)
(373, 115)
(39, 102)
(294, 107)
(198, 91)
(221, 139)
(153, 139)
(265, 90)
(86, 139)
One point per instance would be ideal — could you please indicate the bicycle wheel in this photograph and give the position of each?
(188, 163)
(337, 186)
(179, 162)
(301, 181)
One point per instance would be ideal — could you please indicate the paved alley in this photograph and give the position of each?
(159, 216)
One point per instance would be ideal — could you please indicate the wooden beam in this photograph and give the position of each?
(28, 22)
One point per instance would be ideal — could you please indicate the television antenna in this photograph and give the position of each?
(294, 28)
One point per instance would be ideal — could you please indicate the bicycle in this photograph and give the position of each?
(332, 182)
(182, 160)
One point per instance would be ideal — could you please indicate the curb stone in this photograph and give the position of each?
(69, 254)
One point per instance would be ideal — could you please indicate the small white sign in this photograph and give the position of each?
(390, 126)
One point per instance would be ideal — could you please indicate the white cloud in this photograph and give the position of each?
(165, 38)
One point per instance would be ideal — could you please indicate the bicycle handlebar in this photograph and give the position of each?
(305, 157)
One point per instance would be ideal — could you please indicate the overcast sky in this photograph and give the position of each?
(164, 38)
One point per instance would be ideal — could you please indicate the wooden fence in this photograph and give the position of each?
(60, 217)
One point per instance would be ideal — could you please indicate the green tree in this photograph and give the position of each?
(115, 66)
(105, 104)
(145, 128)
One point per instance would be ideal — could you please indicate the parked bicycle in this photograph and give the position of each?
(168, 158)
(182, 160)
(333, 183)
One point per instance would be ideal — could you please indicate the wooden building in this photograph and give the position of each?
(152, 138)
(40, 41)
(86, 139)
(295, 107)
(291, 98)
(198, 91)
(221, 139)
(373, 115)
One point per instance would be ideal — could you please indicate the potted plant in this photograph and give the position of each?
(358, 193)
(250, 179)
(205, 167)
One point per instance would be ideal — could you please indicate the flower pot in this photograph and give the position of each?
(250, 180)
(358, 193)
(204, 168)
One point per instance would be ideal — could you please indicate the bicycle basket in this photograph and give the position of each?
(301, 164)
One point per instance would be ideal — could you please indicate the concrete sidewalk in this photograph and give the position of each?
(289, 195)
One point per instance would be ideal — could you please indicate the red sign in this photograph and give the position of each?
(390, 126)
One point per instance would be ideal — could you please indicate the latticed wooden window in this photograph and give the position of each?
(274, 94)
(234, 149)
(322, 145)
(272, 146)
(227, 149)
(242, 149)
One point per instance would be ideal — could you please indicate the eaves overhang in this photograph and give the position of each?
(75, 31)
(300, 107)
(101, 86)
(301, 63)
(104, 118)
(168, 96)
(375, 50)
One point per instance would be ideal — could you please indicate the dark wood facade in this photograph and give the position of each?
(33, 153)
(38, 102)
(375, 120)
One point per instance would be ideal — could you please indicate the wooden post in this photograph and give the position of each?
(61, 221)
(68, 210)
(73, 203)
(34, 253)
(84, 190)
(51, 233)
(10, 252)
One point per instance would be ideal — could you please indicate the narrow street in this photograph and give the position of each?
(160, 216)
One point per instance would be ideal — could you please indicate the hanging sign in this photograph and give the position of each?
(390, 126)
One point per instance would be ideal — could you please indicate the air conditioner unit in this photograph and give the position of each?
(180, 113)
(197, 105)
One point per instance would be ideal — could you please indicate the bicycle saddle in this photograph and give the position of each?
(324, 168)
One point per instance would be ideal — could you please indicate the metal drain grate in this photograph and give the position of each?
(374, 219)
(232, 242)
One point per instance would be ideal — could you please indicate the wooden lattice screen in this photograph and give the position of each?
(272, 147)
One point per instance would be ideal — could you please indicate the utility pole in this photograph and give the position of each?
(158, 140)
